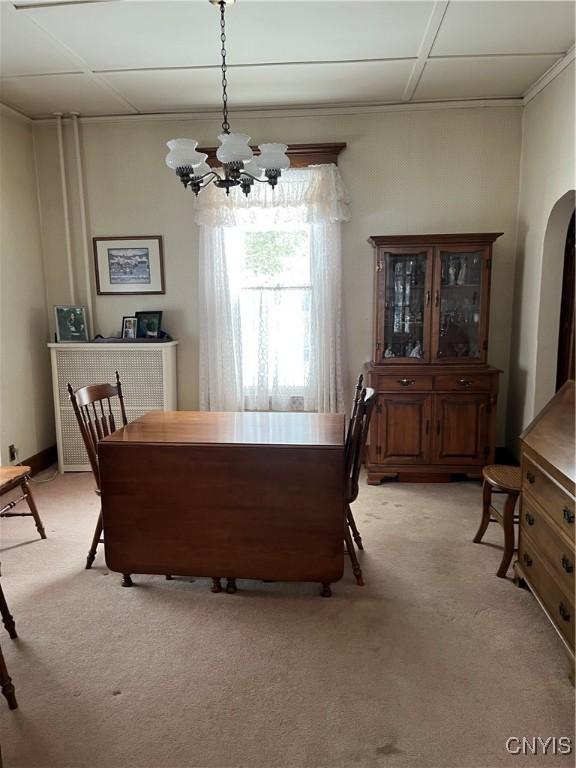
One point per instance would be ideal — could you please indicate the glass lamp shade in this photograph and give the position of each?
(234, 149)
(273, 157)
(253, 168)
(202, 169)
(183, 154)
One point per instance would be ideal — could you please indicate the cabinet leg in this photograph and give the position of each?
(231, 586)
(216, 584)
(326, 590)
(127, 580)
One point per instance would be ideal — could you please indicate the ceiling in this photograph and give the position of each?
(155, 56)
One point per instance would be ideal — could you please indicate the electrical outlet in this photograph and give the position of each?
(12, 452)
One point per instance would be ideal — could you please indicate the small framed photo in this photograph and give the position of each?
(129, 265)
(71, 323)
(149, 325)
(129, 327)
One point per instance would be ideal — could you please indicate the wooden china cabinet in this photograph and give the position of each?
(436, 409)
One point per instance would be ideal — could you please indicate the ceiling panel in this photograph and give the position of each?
(490, 77)
(264, 86)
(127, 35)
(25, 50)
(505, 27)
(44, 95)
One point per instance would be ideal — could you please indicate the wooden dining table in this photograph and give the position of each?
(226, 495)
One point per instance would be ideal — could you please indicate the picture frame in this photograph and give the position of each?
(149, 324)
(129, 327)
(71, 323)
(129, 265)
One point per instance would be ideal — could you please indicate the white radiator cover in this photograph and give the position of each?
(147, 372)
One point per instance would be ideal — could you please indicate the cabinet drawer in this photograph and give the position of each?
(559, 607)
(554, 549)
(540, 487)
(450, 382)
(404, 383)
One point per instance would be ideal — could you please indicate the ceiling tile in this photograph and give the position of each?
(44, 95)
(133, 35)
(288, 84)
(481, 78)
(25, 50)
(505, 27)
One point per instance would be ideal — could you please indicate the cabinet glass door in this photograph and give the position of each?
(459, 302)
(405, 311)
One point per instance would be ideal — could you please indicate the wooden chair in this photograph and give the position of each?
(506, 480)
(349, 516)
(95, 418)
(360, 423)
(5, 680)
(14, 477)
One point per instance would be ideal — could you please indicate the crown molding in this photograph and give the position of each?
(288, 112)
(548, 76)
(7, 111)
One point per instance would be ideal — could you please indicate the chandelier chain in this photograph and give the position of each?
(225, 123)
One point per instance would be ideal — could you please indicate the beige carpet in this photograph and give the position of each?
(435, 662)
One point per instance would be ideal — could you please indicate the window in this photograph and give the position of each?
(271, 275)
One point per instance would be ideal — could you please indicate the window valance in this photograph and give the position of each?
(312, 195)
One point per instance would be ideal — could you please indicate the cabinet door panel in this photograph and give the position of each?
(461, 429)
(404, 429)
(403, 296)
(461, 297)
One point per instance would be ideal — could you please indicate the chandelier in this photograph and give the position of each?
(240, 166)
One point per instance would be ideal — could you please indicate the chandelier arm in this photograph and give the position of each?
(225, 123)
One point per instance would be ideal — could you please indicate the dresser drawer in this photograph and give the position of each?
(559, 607)
(407, 383)
(554, 549)
(450, 382)
(540, 487)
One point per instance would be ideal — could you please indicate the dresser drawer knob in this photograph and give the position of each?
(527, 559)
(529, 518)
(564, 612)
(406, 382)
(530, 477)
(463, 382)
(567, 565)
(568, 515)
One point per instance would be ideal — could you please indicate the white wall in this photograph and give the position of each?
(545, 206)
(415, 171)
(26, 411)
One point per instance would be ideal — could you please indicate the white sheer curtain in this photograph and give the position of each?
(273, 344)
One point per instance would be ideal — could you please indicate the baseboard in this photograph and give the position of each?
(41, 460)
(504, 455)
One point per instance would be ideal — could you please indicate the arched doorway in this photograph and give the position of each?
(550, 298)
(565, 364)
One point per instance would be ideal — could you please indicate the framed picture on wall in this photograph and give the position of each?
(71, 323)
(129, 265)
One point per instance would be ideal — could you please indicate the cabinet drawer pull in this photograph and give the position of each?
(568, 515)
(437, 299)
(463, 382)
(406, 382)
(427, 298)
(529, 519)
(564, 612)
(527, 559)
(567, 565)
(530, 477)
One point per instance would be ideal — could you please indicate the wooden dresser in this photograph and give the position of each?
(546, 556)
(436, 408)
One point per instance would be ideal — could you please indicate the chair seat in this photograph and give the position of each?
(503, 477)
(9, 476)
